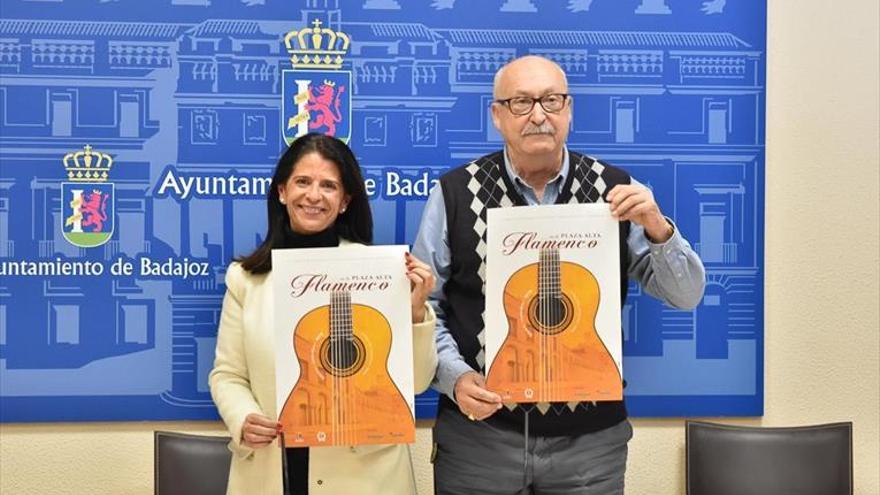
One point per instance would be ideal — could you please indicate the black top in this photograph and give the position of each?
(325, 238)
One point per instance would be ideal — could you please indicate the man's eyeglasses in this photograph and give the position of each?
(523, 105)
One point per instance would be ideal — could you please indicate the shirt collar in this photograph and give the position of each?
(516, 179)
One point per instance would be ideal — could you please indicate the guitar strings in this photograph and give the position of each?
(542, 320)
(349, 409)
(551, 310)
(546, 308)
(339, 425)
(339, 390)
(556, 320)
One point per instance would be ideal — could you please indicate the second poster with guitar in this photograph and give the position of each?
(553, 324)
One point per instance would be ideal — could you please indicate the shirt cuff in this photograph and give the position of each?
(664, 247)
(448, 374)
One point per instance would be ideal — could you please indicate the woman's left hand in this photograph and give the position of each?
(421, 282)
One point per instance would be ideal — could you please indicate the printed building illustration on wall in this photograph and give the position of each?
(66, 85)
(190, 111)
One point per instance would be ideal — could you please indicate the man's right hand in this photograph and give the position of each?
(258, 431)
(473, 399)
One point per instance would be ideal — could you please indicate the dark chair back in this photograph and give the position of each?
(744, 460)
(190, 464)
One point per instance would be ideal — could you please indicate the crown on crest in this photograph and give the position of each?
(317, 47)
(87, 165)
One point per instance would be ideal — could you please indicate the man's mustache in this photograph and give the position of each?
(545, 128)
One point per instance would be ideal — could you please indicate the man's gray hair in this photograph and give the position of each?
(501, 71)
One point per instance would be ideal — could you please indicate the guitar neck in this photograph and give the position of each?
(340, 315)
(549, 284)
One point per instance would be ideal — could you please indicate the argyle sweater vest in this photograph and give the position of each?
(470, 190)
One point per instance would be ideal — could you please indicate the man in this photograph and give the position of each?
(481, 446)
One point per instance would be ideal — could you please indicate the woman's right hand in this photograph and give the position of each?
(259, 431)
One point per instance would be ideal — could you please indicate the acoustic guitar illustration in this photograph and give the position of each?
(344, 394)
(552, 352)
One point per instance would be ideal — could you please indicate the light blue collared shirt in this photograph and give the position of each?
(671, 271)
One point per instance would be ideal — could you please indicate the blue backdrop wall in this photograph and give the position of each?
(137, 139)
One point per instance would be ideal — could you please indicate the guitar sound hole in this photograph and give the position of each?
(342, 356)
(551, 311)
(550, 315)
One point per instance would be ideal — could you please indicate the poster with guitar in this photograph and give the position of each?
(553, 325)
(343, 346)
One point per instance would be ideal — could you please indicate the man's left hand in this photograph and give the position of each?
(635, 202)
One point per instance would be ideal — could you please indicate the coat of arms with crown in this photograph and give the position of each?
(87, 198)
(316, 93)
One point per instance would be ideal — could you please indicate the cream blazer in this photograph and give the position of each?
(243, 382)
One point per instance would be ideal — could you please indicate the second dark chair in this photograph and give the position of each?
(742, 460)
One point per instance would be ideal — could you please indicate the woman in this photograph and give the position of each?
(317, 199)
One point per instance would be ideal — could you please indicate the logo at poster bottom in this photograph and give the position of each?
(316, 101)
(87, 199)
